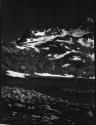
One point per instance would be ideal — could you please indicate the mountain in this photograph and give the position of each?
(52, 52)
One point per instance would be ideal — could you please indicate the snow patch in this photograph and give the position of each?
(68, 76)
(40, 34)
(88, 43)
(92, 77)
(76, 58)
(70, 41)
(57, 56)
(91, 56)
(66, 65)
(46, 48)
(16, 74)
(53, 75)
(64, 32)
(20, 47)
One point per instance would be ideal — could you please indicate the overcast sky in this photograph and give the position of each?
(18, 16)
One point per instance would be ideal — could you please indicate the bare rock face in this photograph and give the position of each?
(52, 52)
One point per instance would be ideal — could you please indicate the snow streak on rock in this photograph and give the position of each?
(16, 74)
(55, 75)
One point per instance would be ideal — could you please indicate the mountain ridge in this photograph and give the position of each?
(47, 51)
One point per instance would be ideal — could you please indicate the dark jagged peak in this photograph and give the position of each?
(56, 30)
(29, 33)
(88, 25)
(90, 19)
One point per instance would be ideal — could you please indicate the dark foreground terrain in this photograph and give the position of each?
(35, 101)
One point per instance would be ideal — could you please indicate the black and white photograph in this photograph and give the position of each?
(47, 63)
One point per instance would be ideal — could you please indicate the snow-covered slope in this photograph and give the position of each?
(53, 52)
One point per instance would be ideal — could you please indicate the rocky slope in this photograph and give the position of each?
(24, 106)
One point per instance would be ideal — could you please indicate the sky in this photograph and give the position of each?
(18, 15)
